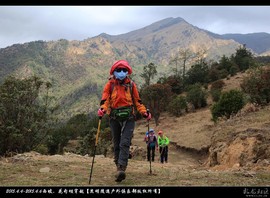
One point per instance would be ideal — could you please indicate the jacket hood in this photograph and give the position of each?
(121, 64)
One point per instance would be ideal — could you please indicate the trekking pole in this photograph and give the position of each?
(99, 122)
(150, 150)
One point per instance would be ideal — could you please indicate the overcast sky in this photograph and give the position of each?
(20, 24)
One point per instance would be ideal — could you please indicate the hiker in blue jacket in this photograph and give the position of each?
(152, 144)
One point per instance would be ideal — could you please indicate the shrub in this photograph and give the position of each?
(215, 93)
(25, 113)
(229, 103)
(216, 89)
(257, 85)
(196, 96)
(219, 84)
(177, 105)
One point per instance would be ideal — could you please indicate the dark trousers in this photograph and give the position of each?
(151, 153)
(122, 133)
(163, 154)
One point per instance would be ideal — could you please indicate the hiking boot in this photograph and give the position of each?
(120, 175)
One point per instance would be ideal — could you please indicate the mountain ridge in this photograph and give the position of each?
(259, 42)
(72, 65)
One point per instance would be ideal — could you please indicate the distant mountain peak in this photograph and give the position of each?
(170, 20)
(152, 28)
(167, 23)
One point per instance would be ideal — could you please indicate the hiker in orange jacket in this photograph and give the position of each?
(119, 98)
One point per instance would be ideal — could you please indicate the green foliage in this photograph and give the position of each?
(219, 84)
(229, 103)
(177, 105)
(257, 85)
(76, 127)
(233, 69)
(213, 73)
(176, 83)
(17, 55)
(225, 63)
(243, 58)
(216, 89)
(68, 71)
(156, 98)
(240, 61)
(215, 93)
(216, 72)
(24, 116)
(88, 143)
(42, 149)
(196, 95)
(57, 139)
(227, 66)
(149, 72)
(198, 73)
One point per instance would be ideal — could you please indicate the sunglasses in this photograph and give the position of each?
(121, 69)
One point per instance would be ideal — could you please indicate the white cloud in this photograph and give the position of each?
(21, 24)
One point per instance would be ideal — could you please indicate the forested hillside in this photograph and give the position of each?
(78, 70)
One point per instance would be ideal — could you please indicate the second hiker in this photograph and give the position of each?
(152, 143)
(163, 142)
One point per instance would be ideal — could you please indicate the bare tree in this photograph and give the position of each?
(185, 54)
(181, 58)
(201, 55)
(175, 59)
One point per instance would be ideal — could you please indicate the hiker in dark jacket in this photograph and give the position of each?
(163, 142)
(119, 104)
(152, 143)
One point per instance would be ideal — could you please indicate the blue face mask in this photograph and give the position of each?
(120, 75)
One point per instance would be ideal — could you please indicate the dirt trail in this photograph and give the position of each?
(188, 134)
(175, 156)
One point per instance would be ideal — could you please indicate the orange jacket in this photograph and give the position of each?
(120, 96)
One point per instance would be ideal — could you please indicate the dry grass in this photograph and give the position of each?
(73, 170)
